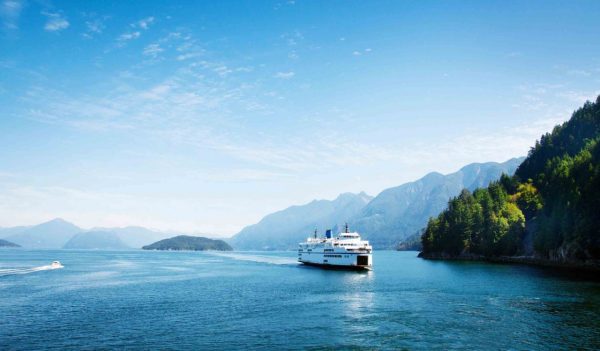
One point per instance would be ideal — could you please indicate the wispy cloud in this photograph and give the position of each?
(362, 52)
(285, 75)
(94, 26)
(514, 54)
(153, 50)
(55, 21)
(579, 73)
(128, 36)
(143, 23)
(10, 11)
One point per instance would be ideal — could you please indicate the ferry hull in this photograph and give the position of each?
(337, 267)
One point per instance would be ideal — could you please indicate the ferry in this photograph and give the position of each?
(346, 251)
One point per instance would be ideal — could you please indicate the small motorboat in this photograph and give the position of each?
(56, 264)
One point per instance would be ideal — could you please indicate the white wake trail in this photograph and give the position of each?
(14, 271)
(258, 258)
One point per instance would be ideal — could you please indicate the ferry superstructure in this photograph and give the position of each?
(347, 250)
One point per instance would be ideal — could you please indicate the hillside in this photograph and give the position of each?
(285, 229)
(549, 210)
(189, 243)
(399, 212)
(49, 235)
(96, 240)
(4, 243)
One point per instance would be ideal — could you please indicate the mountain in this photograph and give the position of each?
(96, 240)
(49, 235)
(4, 243)
(399, 212)
(135, 237)
(6, 232)
(285, 229)
(411, 243)
(189, 243)
(548, 212)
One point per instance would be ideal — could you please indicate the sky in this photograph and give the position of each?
(205, 116)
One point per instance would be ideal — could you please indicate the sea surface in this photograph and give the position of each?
(256, 300)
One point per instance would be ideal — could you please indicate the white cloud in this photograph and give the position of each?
(94, 27)
(359, 53)
(55, 22)
(10, 11)
(143, 23)
(579, 97)
(153, 50)
(579, 72)
(129, 36)
(188, 56)
(285, 75)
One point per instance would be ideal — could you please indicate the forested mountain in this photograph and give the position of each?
(399, 212)
(5, 243)
(189, 243)
(549, 209)
(285, 229)
(96, 240)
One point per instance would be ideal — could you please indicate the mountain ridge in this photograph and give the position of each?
(384, 219)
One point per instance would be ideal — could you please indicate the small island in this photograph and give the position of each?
(6, 243)
(189, 243)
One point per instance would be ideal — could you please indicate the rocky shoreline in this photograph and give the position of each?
(588, 266)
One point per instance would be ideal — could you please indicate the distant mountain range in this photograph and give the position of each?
(393, 215)
(286, 228)
(58, 233)
(399, 212)
(189, 243)
(96, 240)
(50, 235)
(386, 220)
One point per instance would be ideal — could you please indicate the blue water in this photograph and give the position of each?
(194, 300)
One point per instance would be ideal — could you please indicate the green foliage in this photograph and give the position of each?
(486, 222)
(189, 243)
(556, 190)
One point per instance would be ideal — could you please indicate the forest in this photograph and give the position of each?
(549, 209)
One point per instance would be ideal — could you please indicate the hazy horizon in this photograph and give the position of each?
(204, 118)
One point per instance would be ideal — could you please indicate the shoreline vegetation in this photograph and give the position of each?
(547, 214)
(586, 266)
(189, 243)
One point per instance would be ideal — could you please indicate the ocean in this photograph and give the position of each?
(141, 300)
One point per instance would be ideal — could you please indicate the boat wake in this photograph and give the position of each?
(258, 258)
(15, 271)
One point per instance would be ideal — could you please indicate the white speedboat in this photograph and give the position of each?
(345, 251)
(56, 264)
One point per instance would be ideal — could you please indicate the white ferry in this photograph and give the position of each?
(347, 251)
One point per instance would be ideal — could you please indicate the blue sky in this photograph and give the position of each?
(203, 117)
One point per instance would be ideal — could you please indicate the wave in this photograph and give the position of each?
(14, 271)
